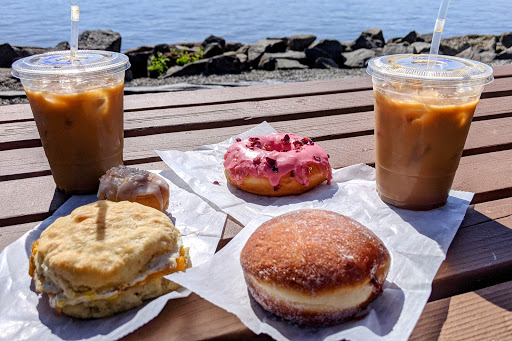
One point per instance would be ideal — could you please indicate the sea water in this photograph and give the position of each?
(148, 22)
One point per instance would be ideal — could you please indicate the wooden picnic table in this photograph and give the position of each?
(472, 291)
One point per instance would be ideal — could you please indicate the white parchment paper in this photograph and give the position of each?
(417, 241)
(26, 315)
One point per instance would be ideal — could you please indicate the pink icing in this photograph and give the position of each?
(275, 155)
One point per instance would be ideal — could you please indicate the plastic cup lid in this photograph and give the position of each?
(88, 63)
(411, 68)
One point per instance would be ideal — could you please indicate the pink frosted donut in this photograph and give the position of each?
(276, 164)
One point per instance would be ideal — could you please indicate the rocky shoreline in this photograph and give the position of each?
(215, 62)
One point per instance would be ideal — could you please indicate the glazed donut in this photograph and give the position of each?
(276, 164)
(314, 267)
(122, 183)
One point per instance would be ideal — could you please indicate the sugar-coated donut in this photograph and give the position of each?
(122, 183)
(276, 164)
(314, 267)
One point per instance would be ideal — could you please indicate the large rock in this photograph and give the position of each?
(191, 69)
(421, 47)
(106, 40)
(289, 64)
(395, 48)
(254, 53)
(162, 48)
(62, 46)
(139, 59)
(300, 42)
(325, 63)
(455, 45)
(410, 38)
(477, 54)
(8, 54)
(267, 64)
(243, 49)
(292, 55)
(507, 54)
(214, 39)
(223, 64)
(312, 54)
(212, 50)
(333, 48)
(232, 46)
(427, 38)
(369, 39)
(274, 45)
(506, 39)
(358, 58)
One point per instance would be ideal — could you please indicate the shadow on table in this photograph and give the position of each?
(320, 192)
(68, 328)
(380, 317)
(488, 279)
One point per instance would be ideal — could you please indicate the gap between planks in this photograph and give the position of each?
(149, 102)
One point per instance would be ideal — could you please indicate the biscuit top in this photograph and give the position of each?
(314, 250)
(104, 244)
(275, 155)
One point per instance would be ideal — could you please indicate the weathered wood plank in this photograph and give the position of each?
(495, 185)
(487, 211)
(24, 134)
(502, 71)
(484, 136)
(21, 112)
(480, 315)
(484, 314)
(479, 256)
(9, 234)
(34, 199)
(218, 96)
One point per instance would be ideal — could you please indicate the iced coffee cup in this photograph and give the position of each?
(422, 118)
(78, 109)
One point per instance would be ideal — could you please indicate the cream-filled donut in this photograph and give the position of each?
(276, 164)
(314, 266)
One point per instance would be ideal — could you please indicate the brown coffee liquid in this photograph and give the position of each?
(81, 132)
(418, 146)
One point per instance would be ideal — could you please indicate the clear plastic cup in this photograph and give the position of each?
(78, 108)
(422, 119)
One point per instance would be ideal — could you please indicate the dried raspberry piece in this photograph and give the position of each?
(317, 158)
(272, 164)
(256, 161)
(238, 139)
(297, 144)
(286, 139)
(276, 188)
(216, 183)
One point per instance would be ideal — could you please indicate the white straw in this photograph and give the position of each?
(75, 17)
(438, 30)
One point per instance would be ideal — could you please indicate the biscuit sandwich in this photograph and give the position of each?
(107, 257)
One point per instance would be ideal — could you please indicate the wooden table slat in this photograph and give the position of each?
(480, 315)
(492, 134)
(198, 98)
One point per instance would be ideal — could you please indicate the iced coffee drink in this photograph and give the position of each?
(79, 114)
(422, 120)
